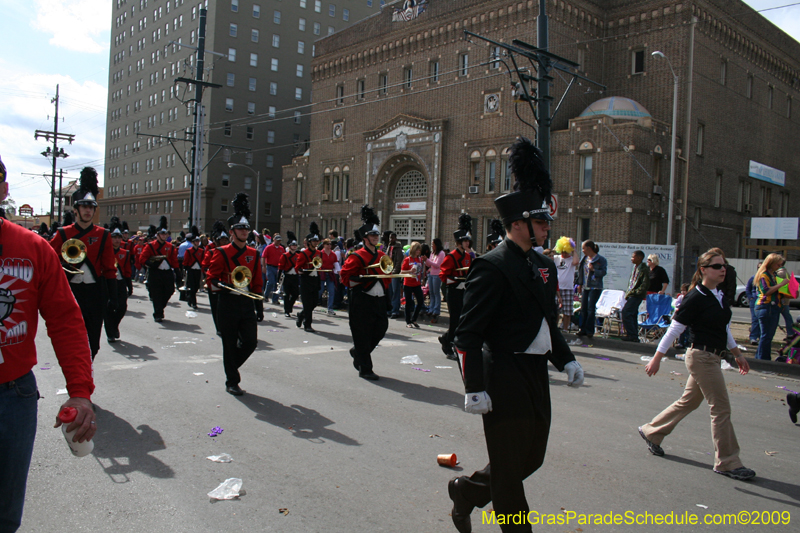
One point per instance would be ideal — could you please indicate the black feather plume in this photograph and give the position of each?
(218, 228)
(465, 222)
(69, 218)
(151, 232)
(368, 215)
(182, 234)
(43, 229)
(290, 236)
(162, 223)
(195, 231)
(241, 205)
(497, 227)
(88, 181)
(313, 229)
(125, 226)
(529, 170)
(54, 227)
(114, 223)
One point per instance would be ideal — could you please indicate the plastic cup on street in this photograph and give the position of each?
(447, 459)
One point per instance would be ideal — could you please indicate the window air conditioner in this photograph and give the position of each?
(473, 189)
(748, 208)
(769, 212)
(657, 189)
(324, 197)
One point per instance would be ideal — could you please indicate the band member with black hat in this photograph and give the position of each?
(115, 313)
(510, 311)
(453, 273)
(161, 259)
(309, 278)
(93, 281)
(193, 266)
(221, 238)
(288, 274)
(368, 296)
(239, 309)
(496, 236)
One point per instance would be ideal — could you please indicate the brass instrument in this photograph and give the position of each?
(462, 269)
(386, 265)
(317, 262)
(241, 277)
(157, 258)
(73, 252)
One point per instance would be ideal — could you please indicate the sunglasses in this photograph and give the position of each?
(716, 266)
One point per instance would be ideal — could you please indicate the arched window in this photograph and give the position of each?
(411, 185)
(475, 167)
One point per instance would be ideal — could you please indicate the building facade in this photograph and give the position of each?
(260, 53)
(412, 117)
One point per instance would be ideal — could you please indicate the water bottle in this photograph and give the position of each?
(79, 449)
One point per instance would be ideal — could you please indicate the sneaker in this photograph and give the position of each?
(794, 406)
(331, 312)
(654, 448)
(741, 473)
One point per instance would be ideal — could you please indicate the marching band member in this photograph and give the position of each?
(193, 265)
(161, 259)
(93, 281)
(115, 313)
(221, 238)
(369, 302)
(309, 278)
(452, 275)
(237, 312)
(287, 269)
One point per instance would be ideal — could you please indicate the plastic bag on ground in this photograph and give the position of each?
(726, 365)
(221, 458)
(411, 360)
(227, 490)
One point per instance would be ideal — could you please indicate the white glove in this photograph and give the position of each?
(477, 403)
(574, 374)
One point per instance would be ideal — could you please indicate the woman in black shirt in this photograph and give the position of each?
(658, 276)
(704, 310)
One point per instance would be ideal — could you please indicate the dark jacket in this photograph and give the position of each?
(596, 276)
(504, 302)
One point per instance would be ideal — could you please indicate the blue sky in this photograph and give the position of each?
(66, 42)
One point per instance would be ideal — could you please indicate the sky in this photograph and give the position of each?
(67, 43)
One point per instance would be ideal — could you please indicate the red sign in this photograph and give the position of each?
(553, 205)
(26, 211)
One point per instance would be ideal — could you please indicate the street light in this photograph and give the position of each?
(258, 186)
(670, 208)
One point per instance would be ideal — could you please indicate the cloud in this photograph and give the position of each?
(75, 24)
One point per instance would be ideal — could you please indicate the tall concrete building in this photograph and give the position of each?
(416, 119)
(260, 52)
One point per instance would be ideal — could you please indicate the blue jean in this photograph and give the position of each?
(272, 283)
(755, 329)
(435, 293)
(18, 412)
(630, 316)
(589, 299)
(768, 316)
(331, 286)
(397, 294)
(787, 318)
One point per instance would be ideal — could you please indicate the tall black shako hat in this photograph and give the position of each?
(497, 232)
(87, 189)
(291, 238)
(241, 212)
(218, 230)
(464, 231)
(370, 222)
(115, 227)
(313, 232)
(67, 219)
(163, 225)
(531, 196)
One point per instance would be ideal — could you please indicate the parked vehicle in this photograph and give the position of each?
(741, 296)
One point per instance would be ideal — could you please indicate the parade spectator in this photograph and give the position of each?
(434, 264)
(658, 276)
(566, 261)
(395, 252)
(768, 303)
(784, 302)
(637, 291)
(269, 260)
(412, 287)
(752, 296)
(683, 340)
(591, 271)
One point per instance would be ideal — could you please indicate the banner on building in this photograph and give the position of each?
(618, 256)
(410, 206)
(774, 228)
(762, 172)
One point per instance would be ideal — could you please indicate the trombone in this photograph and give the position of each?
(317, 262)
(73, 252)
(386, 265)
(241, 277)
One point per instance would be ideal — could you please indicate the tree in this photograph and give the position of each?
(9, 205)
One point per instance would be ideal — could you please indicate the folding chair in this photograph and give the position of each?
(608, 310)
(655, 322)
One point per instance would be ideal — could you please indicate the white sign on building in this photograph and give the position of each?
(618, 256)
(774, 228)
(762, 172)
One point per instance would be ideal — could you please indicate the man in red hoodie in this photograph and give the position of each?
(33, 283)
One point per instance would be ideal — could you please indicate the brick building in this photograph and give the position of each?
(415, 120)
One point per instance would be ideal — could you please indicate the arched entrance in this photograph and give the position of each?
(409, 208)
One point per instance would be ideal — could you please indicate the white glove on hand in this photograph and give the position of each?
(574, 374)
(477, 403)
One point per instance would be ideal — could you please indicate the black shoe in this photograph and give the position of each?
(219, 334)
(446, 348)
(452, 357)
(287, 315)
(395, 315)
(235, 390)
(794, 406)
(654, 448)
(159, 319)
(299, 321)
(309, 329)
(630, 339)
(461, 508)
(111, 340)
(741, 473)
(369, 374)
(353, 355)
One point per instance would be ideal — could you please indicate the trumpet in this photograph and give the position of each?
(73, 252)
(241, 277)
(317, 262)
(386, 265)
(462, 269)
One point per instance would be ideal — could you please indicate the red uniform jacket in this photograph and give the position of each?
(33, 283)
(452, 261)
(355, 265)
(99, 252)
(302, 261)
(228, 257)
(153, 248)
(287, 262)
(193, 255)
(208, 256)
(123, 262)
(137, 253)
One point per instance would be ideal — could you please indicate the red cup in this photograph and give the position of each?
(447, 459)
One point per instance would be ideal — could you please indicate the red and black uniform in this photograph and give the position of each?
(97, 286)
(237, 315)
(455, 289)
(212, 291)
(160, 276)
(369, 305)
(138, 248)
(116, 312)
(291, 284)
(309, 285)
(193, 265)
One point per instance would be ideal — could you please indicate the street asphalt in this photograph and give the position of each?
(320, 450)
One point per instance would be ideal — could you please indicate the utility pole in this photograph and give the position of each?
(55, 154)
(60, 197)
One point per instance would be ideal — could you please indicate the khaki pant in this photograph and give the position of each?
(705, 381)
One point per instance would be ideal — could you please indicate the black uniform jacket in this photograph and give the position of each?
(505, 299)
